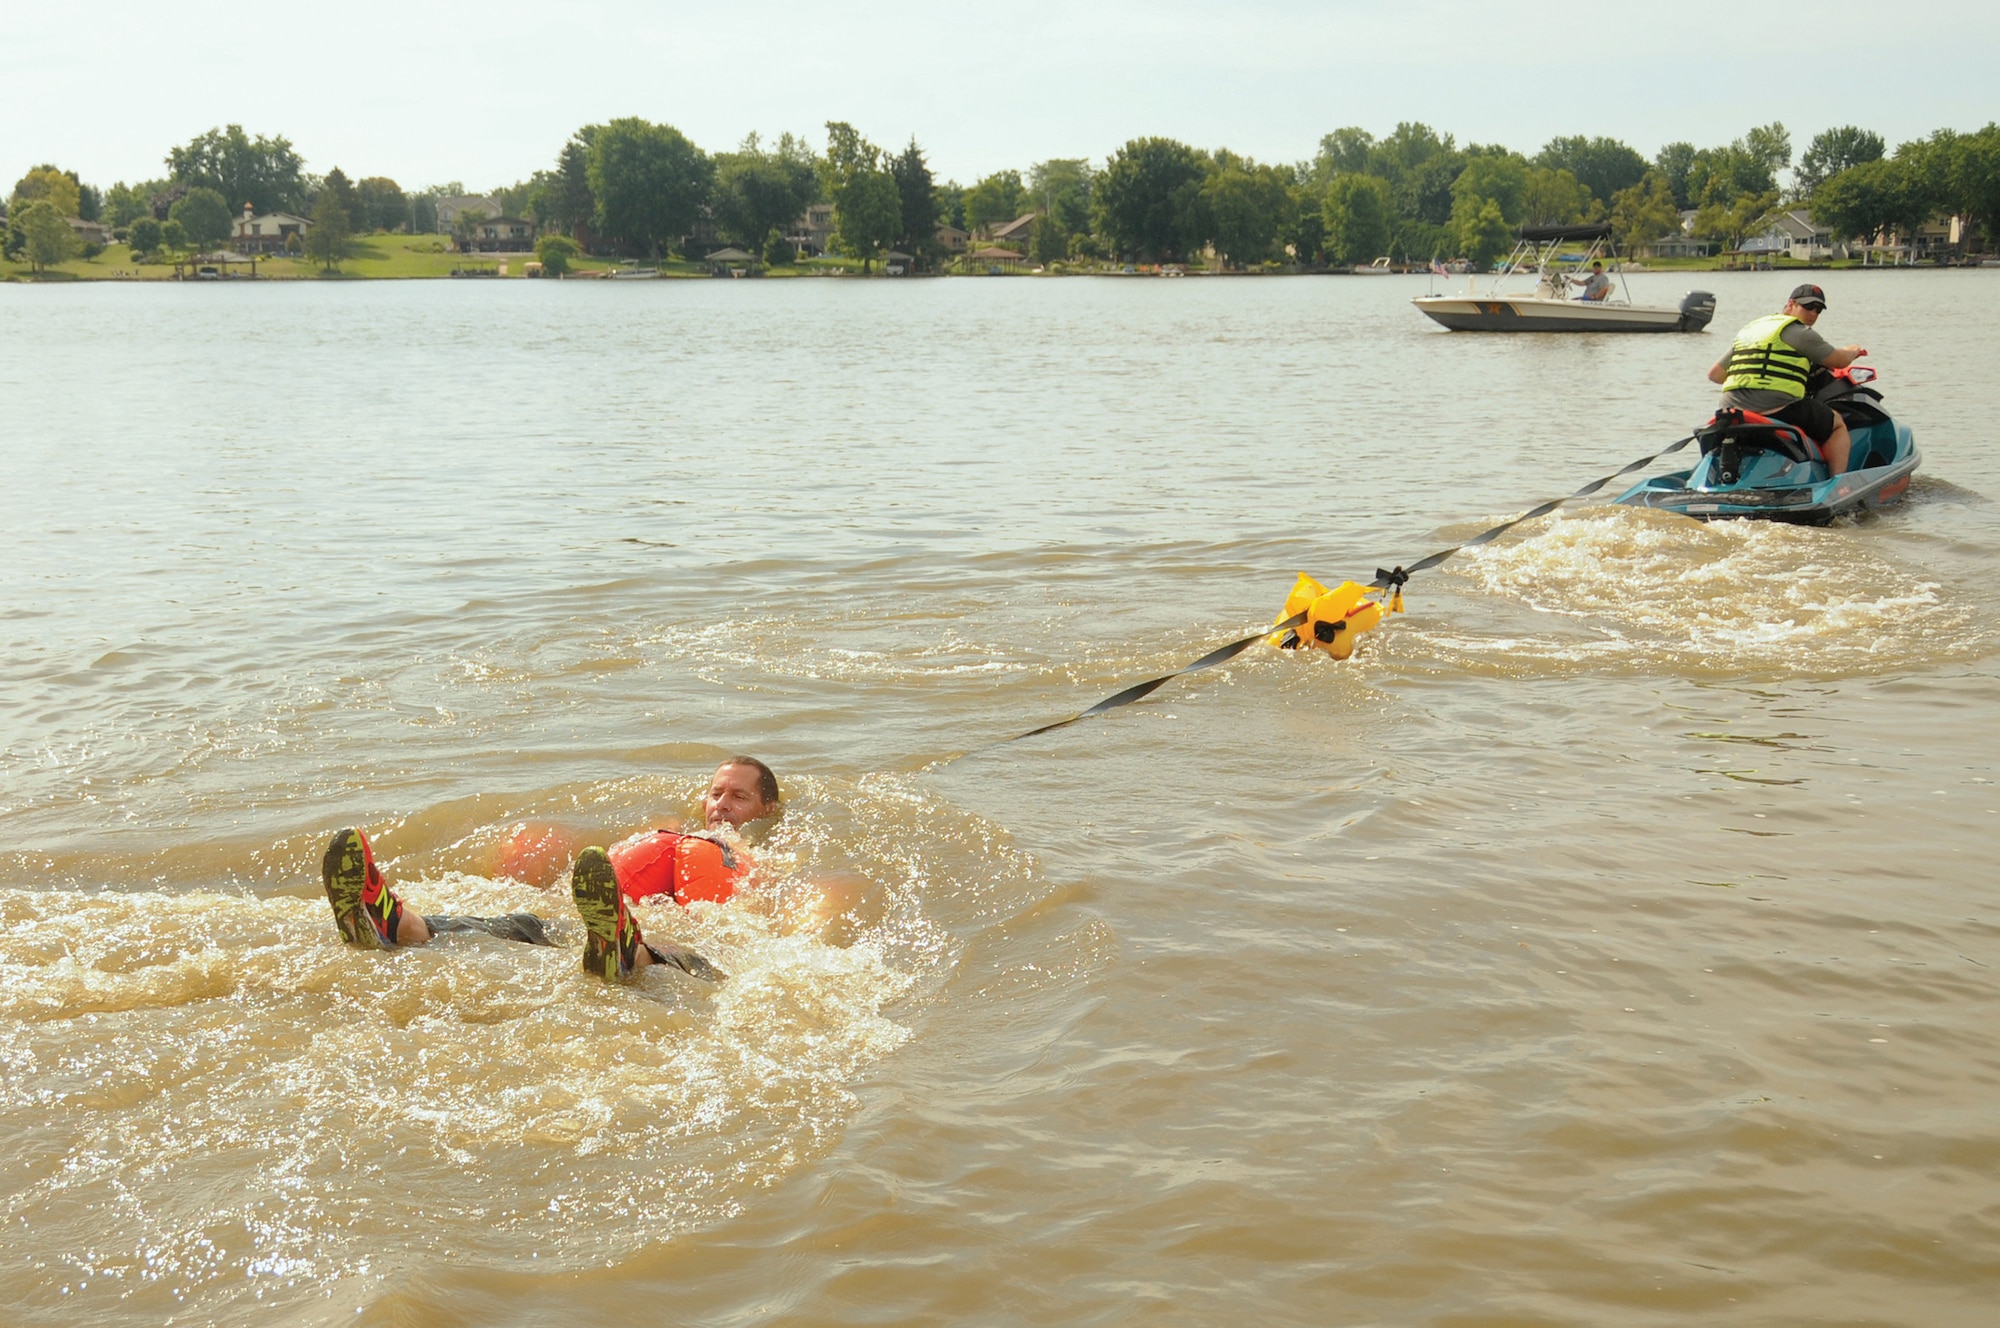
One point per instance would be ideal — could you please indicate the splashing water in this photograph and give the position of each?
(209, 1086)
(1723, 597)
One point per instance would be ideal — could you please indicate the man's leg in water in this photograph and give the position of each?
(523, 927)
(371, 916)
(613, 948)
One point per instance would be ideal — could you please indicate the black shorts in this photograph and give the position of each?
(1815, 417)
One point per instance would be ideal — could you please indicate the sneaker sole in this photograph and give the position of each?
(594, 886)
(344, 870)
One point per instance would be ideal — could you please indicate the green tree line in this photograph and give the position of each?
(210, 180)
(645, 189)
(1947, 173)
(1413, 194)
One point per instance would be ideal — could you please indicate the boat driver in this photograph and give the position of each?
(1765, 371)
(1596, 286)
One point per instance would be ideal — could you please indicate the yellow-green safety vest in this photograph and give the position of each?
(1761, 361)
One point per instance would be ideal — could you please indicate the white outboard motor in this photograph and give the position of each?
(1697, 307)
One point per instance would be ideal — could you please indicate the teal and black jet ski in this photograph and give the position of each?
(1758, 467)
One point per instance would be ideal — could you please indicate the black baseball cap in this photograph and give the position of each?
(1809, 294)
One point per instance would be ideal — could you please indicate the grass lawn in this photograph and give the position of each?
(382, 257)
(114, 264)
(396, 257)
(390, 256)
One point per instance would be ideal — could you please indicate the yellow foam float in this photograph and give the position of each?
(1335, 619)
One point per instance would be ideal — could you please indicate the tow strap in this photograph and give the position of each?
(1334, 619)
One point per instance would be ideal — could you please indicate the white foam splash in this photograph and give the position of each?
(1744, 594)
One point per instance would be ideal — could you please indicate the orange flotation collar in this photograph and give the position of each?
(687, 867)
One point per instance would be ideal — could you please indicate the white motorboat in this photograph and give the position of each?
(1549, 307)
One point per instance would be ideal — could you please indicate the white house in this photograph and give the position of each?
(1805, 239)
(267, 234)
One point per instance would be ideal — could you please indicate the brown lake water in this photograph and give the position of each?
(1615, 939)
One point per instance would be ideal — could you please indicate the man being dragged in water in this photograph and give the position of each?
(685, 867)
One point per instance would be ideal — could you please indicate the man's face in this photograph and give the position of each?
(1805, 313)
(734, 796)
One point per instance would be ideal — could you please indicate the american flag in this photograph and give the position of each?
(1439, 269)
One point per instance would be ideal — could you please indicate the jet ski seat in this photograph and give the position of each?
(1755, 433)
(1737, 434)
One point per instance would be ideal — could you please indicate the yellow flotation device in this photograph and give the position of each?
(1335, 619)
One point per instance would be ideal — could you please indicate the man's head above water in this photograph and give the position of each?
(743, 790)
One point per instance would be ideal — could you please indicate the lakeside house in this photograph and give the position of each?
(1804, 239)
(812, 233)
(268, 232)
(502, 235)
(1759, 250)
(90, 232)
(452, 206)
(1016, 233)
(1942, 239)
(1792, 234)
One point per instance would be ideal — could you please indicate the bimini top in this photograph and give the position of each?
(1595, 231)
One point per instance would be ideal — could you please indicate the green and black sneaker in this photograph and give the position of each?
(611, 941)
(364, 907)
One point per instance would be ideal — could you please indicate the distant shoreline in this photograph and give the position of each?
(383, 257)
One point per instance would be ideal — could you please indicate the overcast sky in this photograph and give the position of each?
(486, 93)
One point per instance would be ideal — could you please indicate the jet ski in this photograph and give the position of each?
(1755, 466)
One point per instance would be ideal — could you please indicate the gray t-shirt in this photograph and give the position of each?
(1763, 400)
(1595, 286)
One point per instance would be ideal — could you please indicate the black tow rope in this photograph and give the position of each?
(1140, 691)
(1487, 536)
(1385, 579)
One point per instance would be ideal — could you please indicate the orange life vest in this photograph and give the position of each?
(688, 867)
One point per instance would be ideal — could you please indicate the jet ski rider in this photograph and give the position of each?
(1765, 371)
